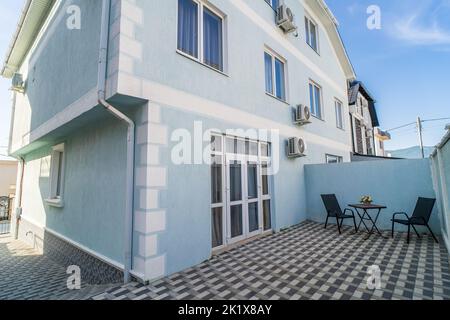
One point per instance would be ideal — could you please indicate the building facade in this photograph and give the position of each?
(211, 88)
(367, 138)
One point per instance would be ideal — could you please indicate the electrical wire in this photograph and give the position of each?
(415, 123)
(439, 119)
(401, 127)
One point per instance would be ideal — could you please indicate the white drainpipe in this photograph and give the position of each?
(102, 68)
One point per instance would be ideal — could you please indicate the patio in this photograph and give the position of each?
(26, 274)
(308, 262)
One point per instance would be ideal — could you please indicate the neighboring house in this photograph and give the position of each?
(367, 138)
(411, 153)
(177, 70)
(8, 177)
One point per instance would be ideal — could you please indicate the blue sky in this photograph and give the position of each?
(9, 16)
(405, 65)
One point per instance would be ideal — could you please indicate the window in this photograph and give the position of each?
(311, 34)
(315, 96)
(334, 159)
(339, 114)
(200, 33)
(275, 76)
(273, 3)
(57, 176)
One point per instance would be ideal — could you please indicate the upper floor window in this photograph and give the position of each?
(275, 76)
(200, 33)
(273, 3)
(333, 159)
(315, 96)
(339, 114)
(311, 34)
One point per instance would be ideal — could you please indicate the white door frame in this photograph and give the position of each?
(229, 158)
(258, 199)
(245, 201)
(226, 204)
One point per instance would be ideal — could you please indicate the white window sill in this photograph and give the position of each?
(57, 203)
(276, 98)
(316, 117)
(316, 51)
(181, 53)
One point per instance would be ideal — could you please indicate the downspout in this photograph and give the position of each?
(101, 86)
(19, 188)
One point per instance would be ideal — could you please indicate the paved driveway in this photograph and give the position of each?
(26, 274)
(308, 262)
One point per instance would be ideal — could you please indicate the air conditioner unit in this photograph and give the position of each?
(17, 83)
(302, 115)
(285, 19)
(296, 148)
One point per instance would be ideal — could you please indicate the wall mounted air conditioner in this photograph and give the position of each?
(302, 115)
(285, 19)
(18, 84)
(296, 148)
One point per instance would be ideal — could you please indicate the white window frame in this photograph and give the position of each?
(200, 59)
(259, 158)
(57, 168)
(313, 110)
(274, 56)
(272, 3)
(340, 119)
(308, 33)
(339, 159)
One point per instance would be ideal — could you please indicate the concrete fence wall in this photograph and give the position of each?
(396, 184)
(440, 161)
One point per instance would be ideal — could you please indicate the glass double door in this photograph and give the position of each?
(243, 192)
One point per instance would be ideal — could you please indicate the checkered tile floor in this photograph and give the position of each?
(308, 262)
(26, 274)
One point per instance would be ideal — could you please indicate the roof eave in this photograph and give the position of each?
(33, 17)
(348, 66)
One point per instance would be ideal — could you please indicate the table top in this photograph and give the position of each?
(367, 206)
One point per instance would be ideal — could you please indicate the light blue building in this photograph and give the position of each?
(117, 101)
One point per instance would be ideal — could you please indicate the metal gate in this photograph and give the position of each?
(5, 215)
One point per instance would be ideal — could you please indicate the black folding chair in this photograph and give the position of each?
(420, 217)
(334, 211)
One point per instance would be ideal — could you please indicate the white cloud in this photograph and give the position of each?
(351, 9)
(409, 30)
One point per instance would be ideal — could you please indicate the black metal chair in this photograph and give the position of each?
(334, 211)
(420, 217)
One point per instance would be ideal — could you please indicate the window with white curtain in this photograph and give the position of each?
(200, 33)
(315, 96)
(339, 114)
(275, 76)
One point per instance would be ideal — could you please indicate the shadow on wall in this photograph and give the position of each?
(396, 184)
(93, 201)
